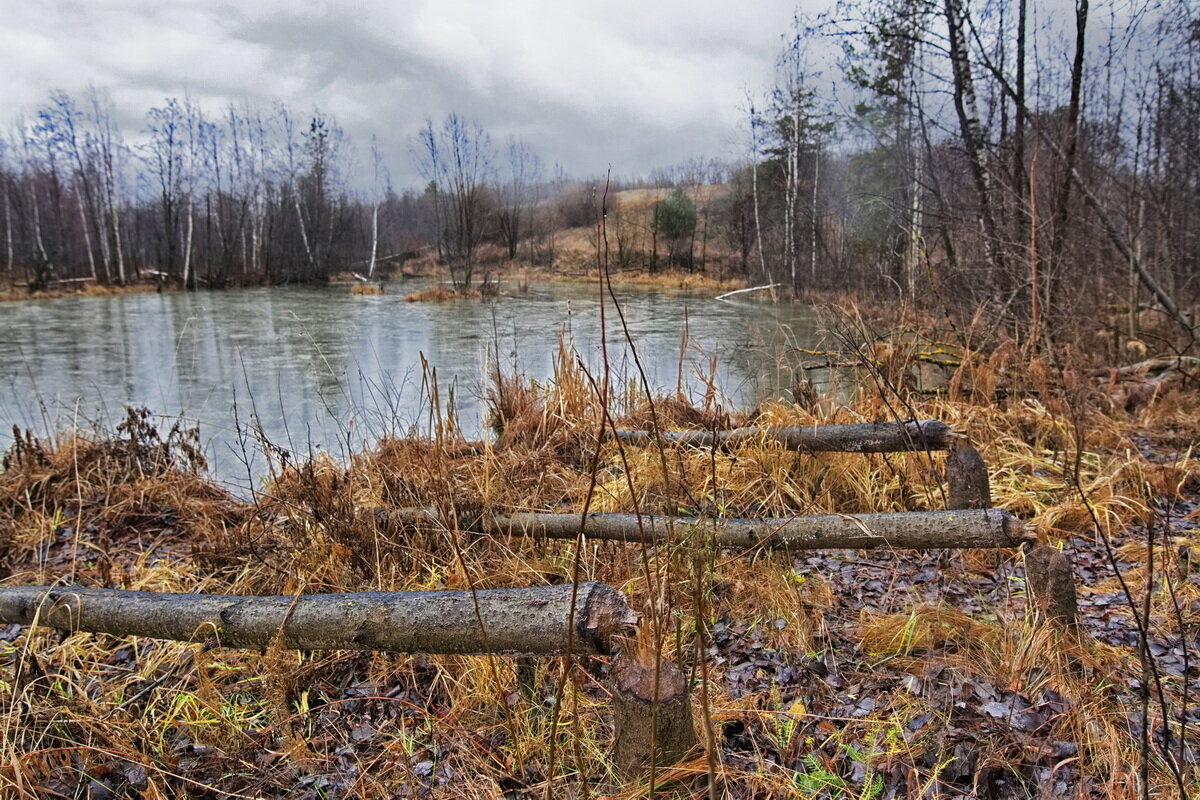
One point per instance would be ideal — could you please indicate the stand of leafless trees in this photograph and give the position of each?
(1001, 156)
(1004, 162)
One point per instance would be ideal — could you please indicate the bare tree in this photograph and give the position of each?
(39, 258)
(516, 194)
(259, 160)
(193, 153)
(60, 123)
(1062, 204)
(456, 159)
(756, 123)
(971, 131)
(163, 156)
(380, 189)
(7, 181)
(109, 146)
(292, 149)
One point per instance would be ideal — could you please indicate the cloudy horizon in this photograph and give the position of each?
(631, 86)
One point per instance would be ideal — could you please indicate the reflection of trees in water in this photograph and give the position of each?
(765, 361)
(319, 367)
(262, 359)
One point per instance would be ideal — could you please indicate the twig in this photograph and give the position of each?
(762, 288)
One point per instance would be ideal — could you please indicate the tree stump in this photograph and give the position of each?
(966, 477)
(1051, 582)
(649, 730)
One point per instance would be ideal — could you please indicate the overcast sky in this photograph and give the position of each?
(635, 84)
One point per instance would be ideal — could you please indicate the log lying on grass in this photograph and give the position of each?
(526, 620)
(873, 437)
(919, 530)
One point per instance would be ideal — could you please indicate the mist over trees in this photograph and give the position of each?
(991, 157)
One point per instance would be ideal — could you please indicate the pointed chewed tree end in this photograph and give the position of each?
(966, 477)
(1051, 582)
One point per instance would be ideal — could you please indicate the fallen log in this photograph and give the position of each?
(525, 620)
(918, 530)
(873, 437)
(1151, 366)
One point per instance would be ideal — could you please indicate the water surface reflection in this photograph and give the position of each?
(318, 368)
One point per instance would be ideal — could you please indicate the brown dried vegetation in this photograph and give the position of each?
(845, 674)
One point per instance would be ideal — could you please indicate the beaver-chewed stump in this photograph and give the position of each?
(652, 728)
(1051, 582)
(966, 478)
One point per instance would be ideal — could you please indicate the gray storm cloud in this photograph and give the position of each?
(633, 85)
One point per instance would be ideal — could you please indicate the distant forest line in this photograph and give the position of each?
(977, 159)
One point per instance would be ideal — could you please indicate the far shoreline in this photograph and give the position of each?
(517, 277)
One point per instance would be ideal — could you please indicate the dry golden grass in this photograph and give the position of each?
(442, 294)
(161, 718)
(75, 290)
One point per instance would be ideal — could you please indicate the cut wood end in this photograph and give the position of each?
(1016, 530)
(636, 680)
(605, 617)
(1051, 579)
(651, 728)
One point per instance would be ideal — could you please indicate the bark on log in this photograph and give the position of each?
(649, 728)
(919, 530)
(525, 620)
(875, 437)
(967, 478)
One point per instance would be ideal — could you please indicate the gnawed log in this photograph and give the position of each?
(918, 530)
(873, 437)
(650, 727)
(524, 620)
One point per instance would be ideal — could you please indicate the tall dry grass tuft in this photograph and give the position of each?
(549, 421)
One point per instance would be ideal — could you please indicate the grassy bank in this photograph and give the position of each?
(829, 674)
(13, 292)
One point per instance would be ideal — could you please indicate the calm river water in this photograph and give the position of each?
(319, 369)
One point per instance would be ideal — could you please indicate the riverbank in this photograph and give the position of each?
(15, 292)
(506, 281)
(862, 673)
